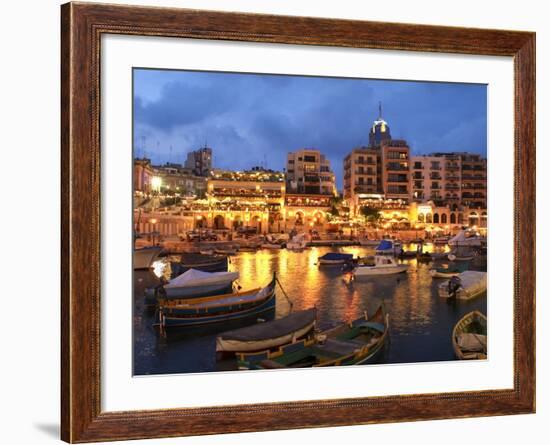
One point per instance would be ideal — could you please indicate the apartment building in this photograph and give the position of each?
(308, 172)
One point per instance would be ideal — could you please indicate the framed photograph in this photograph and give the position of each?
(275, 222)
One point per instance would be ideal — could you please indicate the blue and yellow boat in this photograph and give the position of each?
(216, 309)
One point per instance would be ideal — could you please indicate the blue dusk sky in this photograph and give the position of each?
(256, 119)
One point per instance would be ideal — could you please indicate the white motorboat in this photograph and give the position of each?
(464, 286)
(298, 242)
(146, 256)
(383, 265)
(464, 238)
(195, 283)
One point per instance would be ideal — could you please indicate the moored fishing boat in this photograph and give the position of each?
(383, 265)
(146, 256)
(356, 343)
(334, 259)
(216, 309)
(448, 271)
(470, 337)
(194, 283)
(268, 335)
(206, 263)
(464, 286)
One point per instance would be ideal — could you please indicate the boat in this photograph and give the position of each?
(146, 256)
(207, 252)
(206, 263)
(441, 240)
(189, 312)
(225, 251)
(470, 337)
(448, 271)
(355, 343)
(278, 245)
(462, 254)
(267, 335)
(464, 286)
(334, 258)
(463, 238)
(298, 242)
(388, 247)
(383, 265)
(196, 283)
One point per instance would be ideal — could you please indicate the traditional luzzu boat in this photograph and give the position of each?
(464, 286)
(448, 271)
(358, 342)
(470, 337)
(216, 309)
(146, 256)
(268, 335)
(194, 283)
(383, 265)
(206, 263)
(335, 259)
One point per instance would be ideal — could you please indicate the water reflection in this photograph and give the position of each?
(421, 322)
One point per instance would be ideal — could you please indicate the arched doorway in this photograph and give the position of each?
(429, 218)
(421, 217)
(299, 221)
(219, 222)
(256, 222)
(444, 218)
(473, 219)
(453, 218)
(436, 218)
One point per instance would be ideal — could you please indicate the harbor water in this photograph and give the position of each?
(421, 322)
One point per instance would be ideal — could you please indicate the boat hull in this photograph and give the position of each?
(368, 271)
(144, 258)
(168, 321)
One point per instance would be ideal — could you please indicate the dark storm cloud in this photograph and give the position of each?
(251, 119)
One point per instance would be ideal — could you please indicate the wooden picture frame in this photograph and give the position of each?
(82, 26)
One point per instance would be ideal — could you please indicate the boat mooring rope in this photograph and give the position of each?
(291, 304)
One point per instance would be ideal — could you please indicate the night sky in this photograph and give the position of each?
(256, 119)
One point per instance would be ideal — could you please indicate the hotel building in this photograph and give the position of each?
(200, 161)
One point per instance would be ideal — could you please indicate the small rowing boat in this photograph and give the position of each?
(470, 337)
(354, 343)
(267, 335)
(464, 286)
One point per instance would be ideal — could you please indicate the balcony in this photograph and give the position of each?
(452, 177)
(417, 176)
(435, 176)
(452, 187)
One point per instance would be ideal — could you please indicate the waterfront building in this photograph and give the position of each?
(253, 198)
(360, 175)
(143, 175)
(395, 169)
(451, 179)
(308, 172)
(200, 161)
(174, 178)
(305, 212)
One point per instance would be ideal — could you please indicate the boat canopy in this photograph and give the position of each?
(194, 277)
(385, 245)
(272, 329)
(332, 256)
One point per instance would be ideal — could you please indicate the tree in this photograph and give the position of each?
(371, 215)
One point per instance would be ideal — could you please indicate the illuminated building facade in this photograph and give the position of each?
(308, 172)
(143, 175)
